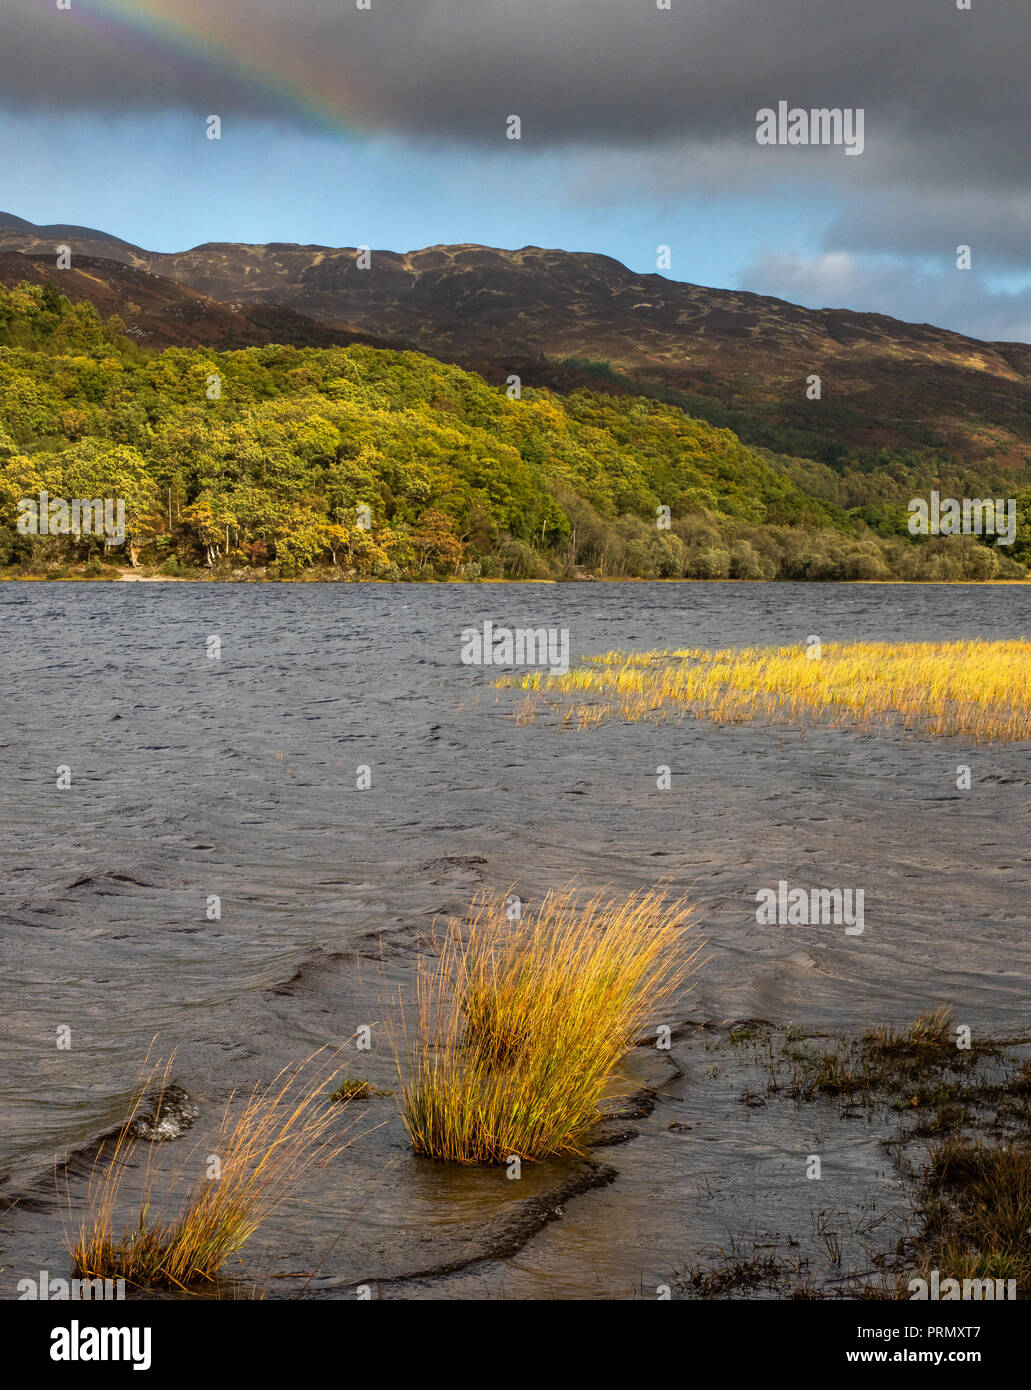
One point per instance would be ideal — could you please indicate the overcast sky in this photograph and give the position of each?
(387, 126)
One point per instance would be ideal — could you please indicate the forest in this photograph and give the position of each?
(358, 463)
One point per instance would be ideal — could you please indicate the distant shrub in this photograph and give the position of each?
(711, 563)
(860, 565)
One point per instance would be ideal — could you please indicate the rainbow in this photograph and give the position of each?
(197, 30)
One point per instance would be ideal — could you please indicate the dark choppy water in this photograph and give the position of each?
(193, 777)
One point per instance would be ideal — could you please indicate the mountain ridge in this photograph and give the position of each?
(39, 233)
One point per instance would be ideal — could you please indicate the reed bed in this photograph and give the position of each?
(980, 690)
(521, 1025)
(264, 1150)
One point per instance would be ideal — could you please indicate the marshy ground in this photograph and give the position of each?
(954, 1114)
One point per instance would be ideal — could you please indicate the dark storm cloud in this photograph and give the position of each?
(933, 222)
(943, 85)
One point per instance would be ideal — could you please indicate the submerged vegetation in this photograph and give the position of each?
(521, 1025)
(263, 1150)
(919, 1069)
(361, 463)
(969, 1101)
(956, 1111)
(979, 689)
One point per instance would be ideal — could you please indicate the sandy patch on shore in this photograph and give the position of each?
(131, 576)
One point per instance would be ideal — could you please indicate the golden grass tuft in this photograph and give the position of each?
(521, 1025)
(979, 689)
(264, 1150)
(932, 1029)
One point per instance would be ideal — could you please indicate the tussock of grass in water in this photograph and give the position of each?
(933, 1029)
(977, 690)
(352, 1089)
(521, 1024)
(264, 1153)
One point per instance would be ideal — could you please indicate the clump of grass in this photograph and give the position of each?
(907, 1063)
(744, 1274)
(263, 1149)
(351, 1089)
(932, 1029)
(977, 1211)
(977, 689)
(522, 1025)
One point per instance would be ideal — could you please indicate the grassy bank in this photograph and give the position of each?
(967, 1100)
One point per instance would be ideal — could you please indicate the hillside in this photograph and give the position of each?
(375, 463)
(160, 313)
(903, 405)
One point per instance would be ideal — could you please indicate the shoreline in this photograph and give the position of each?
(244, 577)
(924, 1105)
